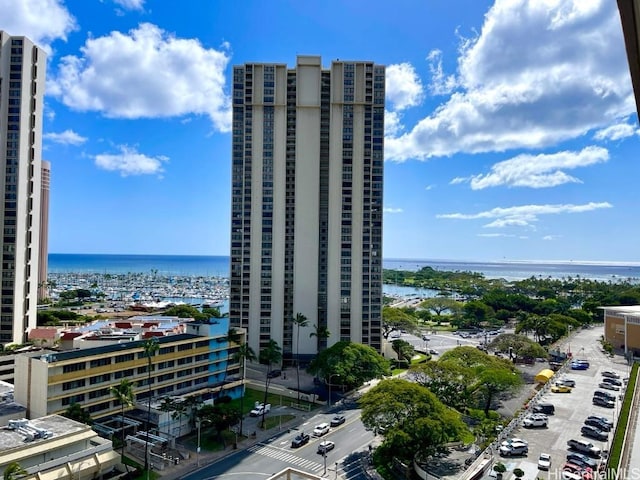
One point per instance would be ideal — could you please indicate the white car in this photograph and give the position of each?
(535, 421)
(508, 442)
(321, 430)
(544, 461)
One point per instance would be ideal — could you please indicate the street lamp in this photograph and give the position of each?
(198, 424)
(324, 456)
(329, 385)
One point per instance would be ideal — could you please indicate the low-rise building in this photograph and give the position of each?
(622, 327)
(195, 362)
(56, 448)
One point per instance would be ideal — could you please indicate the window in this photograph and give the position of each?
(74, 367)
(100, 362)
(125, 358)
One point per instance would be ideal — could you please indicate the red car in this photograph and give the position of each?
(585, 473)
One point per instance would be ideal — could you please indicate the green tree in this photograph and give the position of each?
(243, 355)
(221, 416)
(167, 405)
(404, 350)
(186, 311)
(415, 422)
(150, 347)
(213, 312)
(321, 332)
(77, 413)
(233, 336)
(518, 472)
(13, 471)
(397, 318)
(299, 321)
(440, 305)
(354, 363)
(447, 380)
(123, 393)
(269, 355)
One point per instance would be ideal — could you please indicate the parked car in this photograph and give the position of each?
(610, 374)
(511, 441)
(560, 389)
(337, 420)
(260, 409)
(581, 460)
(516, 448)
(325, 446)
(535, 420)
(609, 386)
(612, 381)
(607, 395)
(579, 366)
(603, 421)
(300, 440)
(321, 429)
(546, 408)
(584, 447)
(593, 432)
(567, 381)
(577, 471)
(274, 373)
(604, 402)
(544, 461)
(597, 424)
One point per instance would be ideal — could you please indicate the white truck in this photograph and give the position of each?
(260, 410)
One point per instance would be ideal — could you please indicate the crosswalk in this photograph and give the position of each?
(284, 456)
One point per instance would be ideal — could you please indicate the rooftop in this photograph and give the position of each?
(56, 424)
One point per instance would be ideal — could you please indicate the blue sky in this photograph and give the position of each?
(511, 131)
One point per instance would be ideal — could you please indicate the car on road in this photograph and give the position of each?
(433, 352)
(603, 402)
(546, 408)
(337, 420)
(325, 446)
(535, 420)
(612, 381)
(610, 374)
(425, 338)
(581, 460)
(544, 461)
(604, 421)
(560, 389)
(584, 447)
(274, 373)
(516, 448)
(609, 386)
(300, 440)
(321, 429)
(593, 432)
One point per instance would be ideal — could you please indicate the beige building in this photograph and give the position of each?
(622, 327)
(22, 78)
(307, 185)
(56, 448)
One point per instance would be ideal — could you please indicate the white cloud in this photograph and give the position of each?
(392, 210)
(392, 124)
(68, 137)
(130, 162)
(403, 86)
(42, 21)
(551, 237)
(429, 187)
(524, 215)
(130, 4)
(539, 72)
(537, 171)
(147, 73)
(495, 235)
(616, 132)
(441, 84)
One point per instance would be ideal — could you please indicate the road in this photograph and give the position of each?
(266, 458)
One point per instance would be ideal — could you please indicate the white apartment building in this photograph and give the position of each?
(306, 220)
(22, 83)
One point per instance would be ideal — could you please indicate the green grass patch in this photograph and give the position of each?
(616, 446)
(272, 422)
(252, 396)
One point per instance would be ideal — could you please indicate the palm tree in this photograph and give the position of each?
(299, 321)
(13, 471)
(123, 393)
(150, 346)
(269, 355)
(321, 333)
(166, 406)
(179, 409)
(233, 336)
(243, 354)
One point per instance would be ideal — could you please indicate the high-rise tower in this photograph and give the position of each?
(22, 82)
(306, 220)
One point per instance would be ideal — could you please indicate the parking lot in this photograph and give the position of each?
(571, 409)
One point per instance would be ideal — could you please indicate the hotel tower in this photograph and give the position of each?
(22, 82)
(306, 219)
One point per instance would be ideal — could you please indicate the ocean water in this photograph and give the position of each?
(218, 266)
